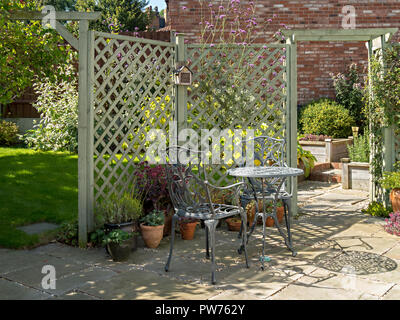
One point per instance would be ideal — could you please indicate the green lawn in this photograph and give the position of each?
(35, 187)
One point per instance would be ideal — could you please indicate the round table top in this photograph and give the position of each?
(265, 172)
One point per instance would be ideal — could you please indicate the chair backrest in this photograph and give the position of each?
(268, 152)
(187, 189)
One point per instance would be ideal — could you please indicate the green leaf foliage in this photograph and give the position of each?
(27, 50)
(326, 117)
(57, 104)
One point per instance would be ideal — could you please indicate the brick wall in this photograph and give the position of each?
(315, 59)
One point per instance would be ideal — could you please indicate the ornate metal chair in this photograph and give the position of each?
(267, 152)
(191, 196)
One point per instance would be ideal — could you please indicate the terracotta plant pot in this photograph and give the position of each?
(152, 235)
(233, 224)
(279, 214)
(395, 199)
(187, 230)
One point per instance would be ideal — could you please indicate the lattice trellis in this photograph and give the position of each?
(133, 94)
(397, 143)
(238, 87)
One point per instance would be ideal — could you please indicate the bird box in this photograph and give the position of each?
(183, 76)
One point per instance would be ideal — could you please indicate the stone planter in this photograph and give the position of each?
(356, 175)
(330, 150)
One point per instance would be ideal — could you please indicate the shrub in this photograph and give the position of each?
(326, 117)
(377, 209)
(349, 93)
(360, 150)
(8, 133)
(393, 224)
(57, 104)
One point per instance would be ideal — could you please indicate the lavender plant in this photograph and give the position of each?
(393, 224)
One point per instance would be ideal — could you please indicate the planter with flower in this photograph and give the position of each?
(152, 183)
(391, 181)
(152, 227)
(393, 223)
(120, 213)
(119, 244)
(187, 227)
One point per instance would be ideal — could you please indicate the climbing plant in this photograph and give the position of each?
(382, 97)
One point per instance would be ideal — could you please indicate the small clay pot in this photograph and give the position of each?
(152, 235)
(233, 224)
(395, 199)
(187, 230)
(269, 222)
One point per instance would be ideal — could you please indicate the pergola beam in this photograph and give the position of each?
(339, 34)
(59, 15)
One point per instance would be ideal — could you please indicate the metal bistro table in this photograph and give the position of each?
(272, 180)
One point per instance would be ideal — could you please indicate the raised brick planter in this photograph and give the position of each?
(356, 176)
(330, 150)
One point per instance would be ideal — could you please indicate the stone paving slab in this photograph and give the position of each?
(138, 284)
(330, 221)
(10, 290)
(38, 228)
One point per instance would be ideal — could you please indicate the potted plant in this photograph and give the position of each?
(391, 180)
(187, 227)
(152, 183)
(120, 213)
(152, 227)
(305, 159)
(269, 222)
(234, 223)
(119, 244)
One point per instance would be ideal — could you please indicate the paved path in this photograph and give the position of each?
(342, 254)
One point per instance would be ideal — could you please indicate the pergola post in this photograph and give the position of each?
(181, 91)
(291, 121)
(85, 111)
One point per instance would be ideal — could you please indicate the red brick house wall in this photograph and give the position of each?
(315, 59)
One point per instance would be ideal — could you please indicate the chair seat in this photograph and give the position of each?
(203, 211)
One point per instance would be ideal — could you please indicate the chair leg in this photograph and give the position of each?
(212, 225)
(207, 244)
(174, 219)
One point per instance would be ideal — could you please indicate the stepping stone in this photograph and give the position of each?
(37, 228)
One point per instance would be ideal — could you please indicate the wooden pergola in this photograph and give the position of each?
(375, 39)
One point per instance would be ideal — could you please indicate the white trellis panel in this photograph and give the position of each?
(133, 93)
(238, 87)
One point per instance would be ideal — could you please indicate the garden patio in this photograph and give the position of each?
(232, 105)
(342, 254)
